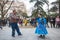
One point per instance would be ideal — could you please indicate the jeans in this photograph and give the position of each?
(14, 27)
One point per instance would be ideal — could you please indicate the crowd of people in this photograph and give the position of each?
(3, 22)
(39, 22)
(52, 22)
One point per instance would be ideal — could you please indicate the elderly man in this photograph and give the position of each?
(13, 22)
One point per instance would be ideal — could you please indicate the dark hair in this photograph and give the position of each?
(14, 10)
(40, 14)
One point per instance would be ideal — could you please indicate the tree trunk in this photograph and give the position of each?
(59, 7)
(2, 16)
(48, 10)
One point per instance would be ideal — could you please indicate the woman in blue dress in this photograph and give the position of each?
(41, 26)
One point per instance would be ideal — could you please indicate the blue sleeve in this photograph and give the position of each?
(37, 18)
(45, 21)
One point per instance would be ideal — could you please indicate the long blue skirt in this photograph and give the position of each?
(41, 29)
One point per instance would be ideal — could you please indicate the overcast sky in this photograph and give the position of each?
(30, 5)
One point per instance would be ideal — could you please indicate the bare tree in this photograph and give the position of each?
(2, 9)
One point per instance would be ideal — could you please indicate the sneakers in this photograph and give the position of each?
(42, 36)
(13, 36)
(19, 34)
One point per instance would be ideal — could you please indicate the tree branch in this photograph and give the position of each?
(8, 8)
(5, 3)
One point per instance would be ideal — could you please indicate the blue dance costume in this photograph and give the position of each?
(41, 27)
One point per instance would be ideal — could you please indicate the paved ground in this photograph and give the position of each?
(28, 34)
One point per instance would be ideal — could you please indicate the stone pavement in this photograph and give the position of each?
(28, 34)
